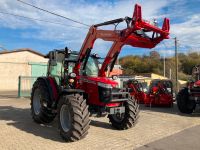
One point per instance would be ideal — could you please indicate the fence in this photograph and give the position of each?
(25, 85)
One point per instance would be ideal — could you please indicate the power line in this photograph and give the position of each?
(47, 11)
(57, 23)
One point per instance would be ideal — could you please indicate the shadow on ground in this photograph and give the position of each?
(170, 110)
(21, 119)
(8, 94)
(100, 124)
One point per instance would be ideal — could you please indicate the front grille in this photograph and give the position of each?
(195, 90)
(112, 95)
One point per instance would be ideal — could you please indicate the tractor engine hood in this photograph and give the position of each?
(103, 81)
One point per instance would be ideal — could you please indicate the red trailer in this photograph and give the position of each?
(160, 93)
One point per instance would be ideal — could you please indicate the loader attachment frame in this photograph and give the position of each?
(127, 36)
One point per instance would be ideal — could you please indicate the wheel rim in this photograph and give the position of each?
(118, 117)
(65, 118)
(37, 102)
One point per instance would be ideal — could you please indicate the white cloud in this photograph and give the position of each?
(188, 32)
(167, 52)
(88, 13)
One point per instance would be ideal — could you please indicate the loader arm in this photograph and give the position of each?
(127, 36)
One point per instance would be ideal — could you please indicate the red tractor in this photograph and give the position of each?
(75, 87)
(188, 97)
(137, 90)
(160, 93)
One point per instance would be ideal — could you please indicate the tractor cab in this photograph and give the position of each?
(60, 66)
(91, 67)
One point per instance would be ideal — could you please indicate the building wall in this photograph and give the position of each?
(156, 76)
(13, 65)
(116, 72)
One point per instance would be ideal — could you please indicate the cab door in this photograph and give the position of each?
(88, 80)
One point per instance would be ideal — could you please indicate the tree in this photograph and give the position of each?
(154, 55)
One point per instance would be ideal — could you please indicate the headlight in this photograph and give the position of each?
(72, 75)
(104, 85)
(195, 85)
(114, 77)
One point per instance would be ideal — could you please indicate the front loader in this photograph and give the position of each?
(75, 87)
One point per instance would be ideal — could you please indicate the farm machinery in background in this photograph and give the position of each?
(189, 97)
(136, 90)
(160, 92)
(76, 87)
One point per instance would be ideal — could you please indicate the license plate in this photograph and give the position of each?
(116, 110)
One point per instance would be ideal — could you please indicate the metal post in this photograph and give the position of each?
(176, 65)
(164, 64)
(170, 73)
(19, 87)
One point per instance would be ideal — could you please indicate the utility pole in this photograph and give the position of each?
(176, 64)
(170, 73)
(164, 65)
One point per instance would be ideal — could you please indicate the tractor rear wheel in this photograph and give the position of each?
(184, 104)
(73, 117)
(127, 119)
(40, 109)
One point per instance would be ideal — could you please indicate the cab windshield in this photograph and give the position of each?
(91, 68)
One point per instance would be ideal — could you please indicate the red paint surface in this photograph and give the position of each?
(54, 88)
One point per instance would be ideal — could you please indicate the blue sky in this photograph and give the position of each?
(16, 32)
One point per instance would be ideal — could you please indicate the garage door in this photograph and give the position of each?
(38, 69)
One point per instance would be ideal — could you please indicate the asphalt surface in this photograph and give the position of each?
(188, 139)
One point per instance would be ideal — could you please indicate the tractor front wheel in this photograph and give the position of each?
(127, 119)
(73, 117)
(184, 104)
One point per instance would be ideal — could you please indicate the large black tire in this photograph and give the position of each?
(129, 118)
(73, 117)
(40, 103)
(184, 104)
